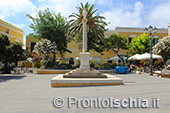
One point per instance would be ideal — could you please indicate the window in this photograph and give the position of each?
(98, 62)
(32, 46)
(155, 40)
(7, 31)
(130, 39)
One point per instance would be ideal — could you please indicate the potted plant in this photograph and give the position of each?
(138, 70)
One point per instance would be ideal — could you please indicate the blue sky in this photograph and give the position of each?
(122, 13)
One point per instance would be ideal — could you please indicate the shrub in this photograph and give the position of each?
(139, 69)
(107, 66)
(37, 64)
(48, 62)
(7, 69)
(92, 65)
(65, 66)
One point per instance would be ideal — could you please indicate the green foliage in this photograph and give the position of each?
(107, 66)
(95, 27)
(7, 69)
(139, 69)
(37, 64)
(41, 67)
(140, 44)
(50, 26)
(119, 64)
(48, 62)
(18, 53)
(4, 42)
(116, 42)
(65, 66)
(92, 65)
(10, 52)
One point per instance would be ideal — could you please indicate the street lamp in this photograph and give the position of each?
(151, 30)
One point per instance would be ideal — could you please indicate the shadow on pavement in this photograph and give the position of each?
(5, 78)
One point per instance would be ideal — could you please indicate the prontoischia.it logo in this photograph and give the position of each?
(110, 102)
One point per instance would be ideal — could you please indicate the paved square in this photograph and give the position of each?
(33, 93)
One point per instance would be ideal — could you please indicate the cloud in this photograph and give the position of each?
(103, 2)
(1, 17)
(159, 16)
(12, 7)
(124, 17)
(21, 26)
(65, 7)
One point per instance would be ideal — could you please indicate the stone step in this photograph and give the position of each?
(84, 76)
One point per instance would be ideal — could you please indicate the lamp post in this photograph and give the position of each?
(151, 30)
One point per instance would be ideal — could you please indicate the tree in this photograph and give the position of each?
(140, 44)
(46, 47)
(116, 42)
(163, 48)
(18, 53)
(95, 27)
(4, 42)
(10, 52)
(48, 25)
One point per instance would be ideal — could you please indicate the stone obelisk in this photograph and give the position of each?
(84, 76)
(84, 55)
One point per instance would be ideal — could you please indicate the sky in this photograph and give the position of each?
(120, 13)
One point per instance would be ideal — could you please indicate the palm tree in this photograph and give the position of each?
(95, 26)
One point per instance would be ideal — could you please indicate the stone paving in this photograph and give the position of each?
(33, 94)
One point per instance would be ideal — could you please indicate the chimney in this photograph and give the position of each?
(169, 30)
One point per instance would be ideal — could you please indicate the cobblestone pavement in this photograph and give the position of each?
(32, 94)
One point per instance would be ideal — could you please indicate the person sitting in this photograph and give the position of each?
(132, 67)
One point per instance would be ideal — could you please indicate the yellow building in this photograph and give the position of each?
(30, 43)
(14, 33)
(129, 32)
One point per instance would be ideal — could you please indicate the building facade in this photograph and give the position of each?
(98, 58)
(14, 33)
(30, 43)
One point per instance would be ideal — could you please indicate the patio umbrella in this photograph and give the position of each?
(135, 57)
(112, 58)
(77, 58)
(146, 56)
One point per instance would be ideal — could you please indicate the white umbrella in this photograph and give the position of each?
(146, 56)
(113, 58)
(77, 58)
(135, 57)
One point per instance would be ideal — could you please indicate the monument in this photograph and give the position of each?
(84, 76)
